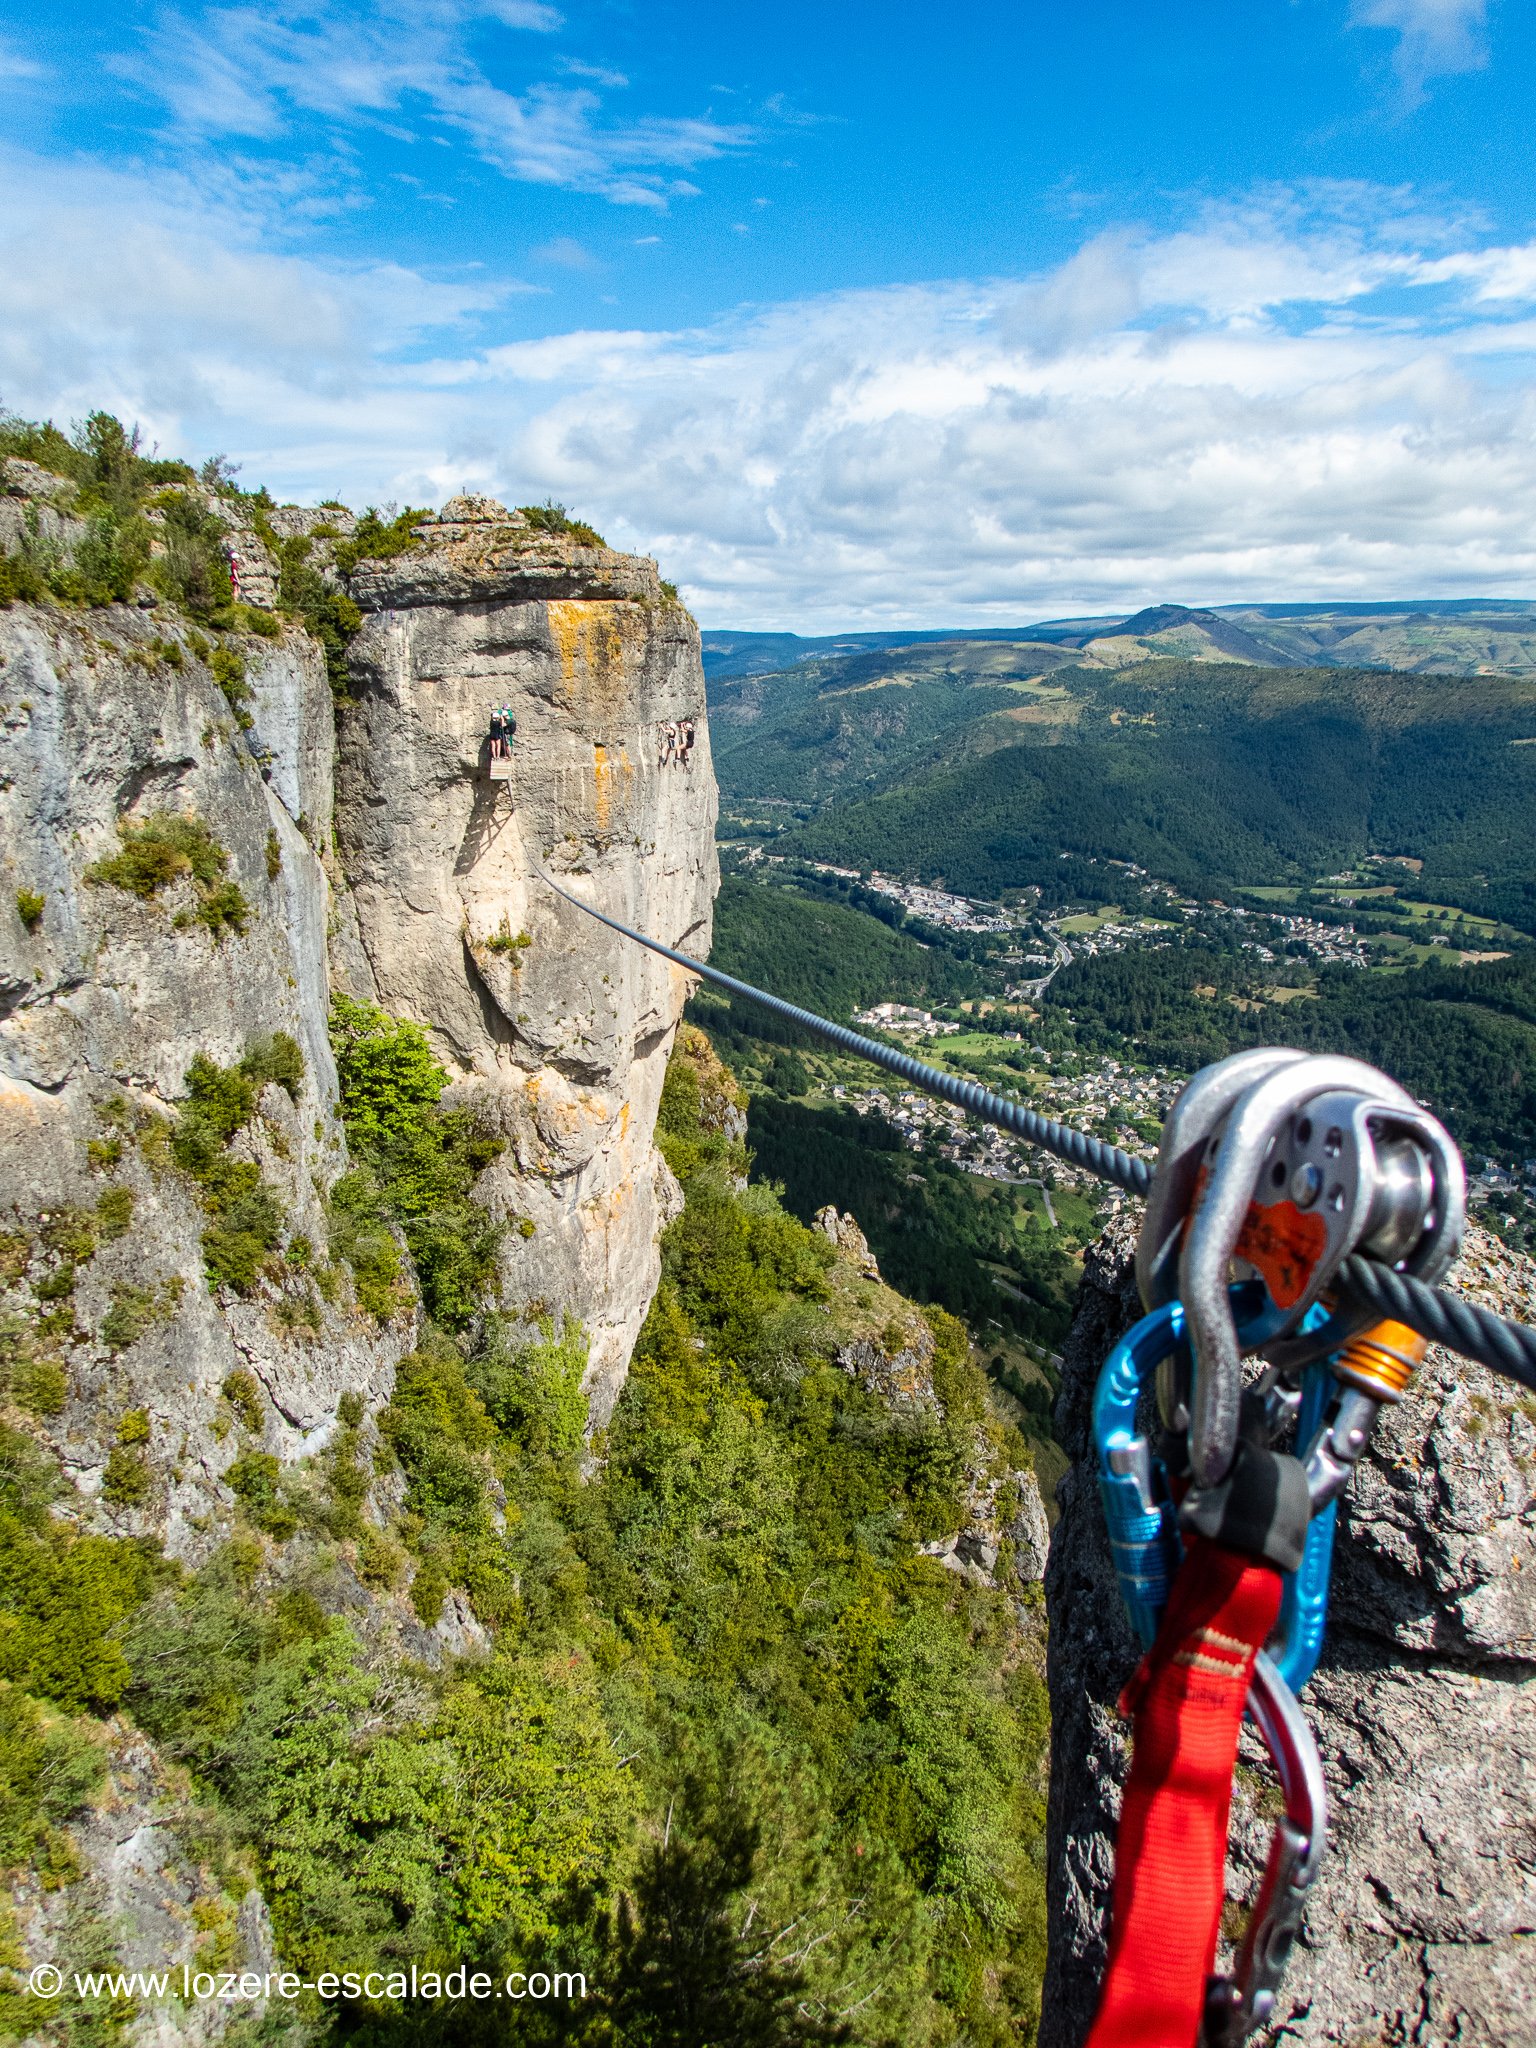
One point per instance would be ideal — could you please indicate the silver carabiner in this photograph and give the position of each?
(1197, 1111)
(1235, 2005)
(1235, 1157)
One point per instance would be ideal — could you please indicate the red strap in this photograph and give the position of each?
(1170, 1856)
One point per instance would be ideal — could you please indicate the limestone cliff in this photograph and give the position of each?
(106, 996)
(1419, 1926)
(417, 883)
(199, 843)
(559, 1029)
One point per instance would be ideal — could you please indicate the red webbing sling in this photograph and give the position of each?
(1170, 1854)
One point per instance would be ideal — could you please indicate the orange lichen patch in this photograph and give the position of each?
(606, 764)
(595, 640)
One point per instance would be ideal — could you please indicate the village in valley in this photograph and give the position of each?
(1295, 931)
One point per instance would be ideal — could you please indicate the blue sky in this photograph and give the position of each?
(853, 315)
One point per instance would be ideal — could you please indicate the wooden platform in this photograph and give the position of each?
(501, 771)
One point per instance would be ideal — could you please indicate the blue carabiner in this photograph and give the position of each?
(1133, 1485)
(1304, 1595)
(1141, 1517)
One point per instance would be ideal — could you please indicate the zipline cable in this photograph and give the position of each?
(1504, 1347)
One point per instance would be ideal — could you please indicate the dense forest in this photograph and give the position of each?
(832, 957)
(934, 1228)
(832, 729)
(1462, 1039)
(739, 1753)
(1216, 777)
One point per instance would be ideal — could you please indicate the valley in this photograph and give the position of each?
(1077, 872)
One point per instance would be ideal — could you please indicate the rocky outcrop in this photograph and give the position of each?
(890, 1347)
(558, 1030)
(106, 997)
(422, 888)
(845, 1236)
(1419, 1926)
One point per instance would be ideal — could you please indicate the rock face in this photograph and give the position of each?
(363, 846)
(1420, 1925)
(113, 716)
(105, 998)
(560, 1029)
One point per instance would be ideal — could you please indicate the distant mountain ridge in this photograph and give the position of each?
(1470, 635)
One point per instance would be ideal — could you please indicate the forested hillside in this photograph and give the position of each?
(730, 1746)
(1461, 1039)
(829, 957)
(1217, 777)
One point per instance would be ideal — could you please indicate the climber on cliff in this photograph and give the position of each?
(503, 726)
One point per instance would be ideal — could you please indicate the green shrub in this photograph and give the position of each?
(29, 908)
(237, 1247)
(224, 909)
(136, 1310)
(380, 540)
(37, 1383)
(330, 615)
(360, 1234)
(532, 1385)
(554, 519)
(227, 667)
(438, 1428)
(114, 1213)
(111, 557)
(246, 1212)
(274, 856)
(160, 849)
(242, 1390)
(132, 1313)
(278, 1058)
(57, 1285)
(48, 1770)
(420, 1163)
(390, 1082)
(194, 570)
(62, 1594)
(21, 581)
(253, 1479)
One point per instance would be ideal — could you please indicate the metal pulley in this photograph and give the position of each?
(1275, 1166)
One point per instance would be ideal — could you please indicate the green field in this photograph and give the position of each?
(1088, 921)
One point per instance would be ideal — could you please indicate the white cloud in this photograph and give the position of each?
(1434, 37)
(1277, 400)
(13, 65)
(249, 71)
(566, 253)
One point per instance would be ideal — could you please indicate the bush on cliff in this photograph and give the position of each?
(420, 1162)
(245, 1212)
(553, 519)
(159, 850)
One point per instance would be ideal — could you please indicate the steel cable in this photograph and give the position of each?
(1477, 1333)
